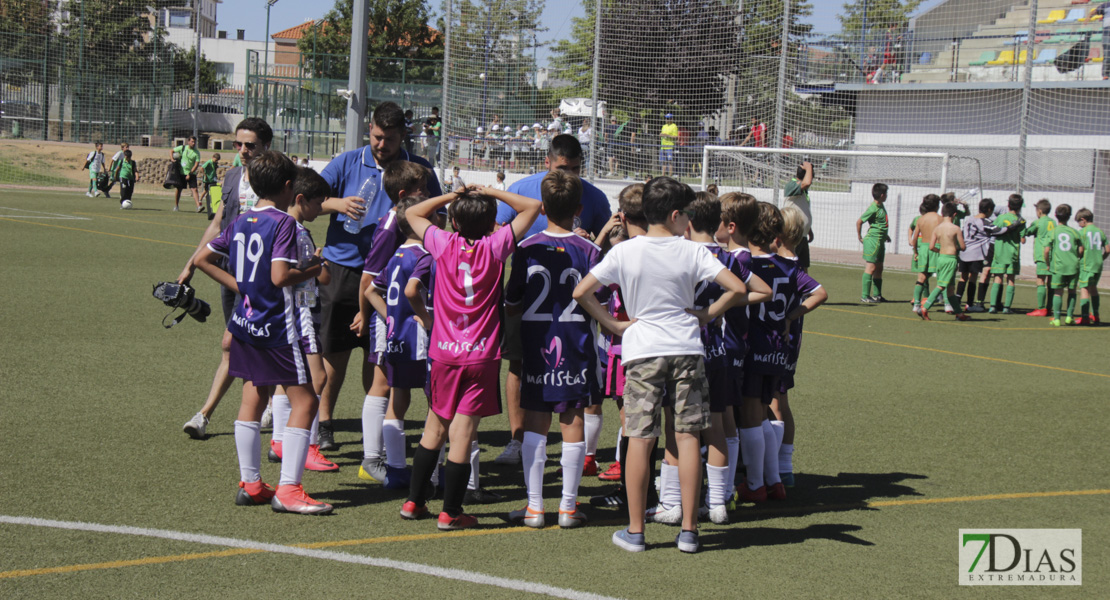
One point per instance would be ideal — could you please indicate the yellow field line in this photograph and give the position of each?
(138, 221)
(964, 324)
(155, 560)
(1001, 360)
(129, 237)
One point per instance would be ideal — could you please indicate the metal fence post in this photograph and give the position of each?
(446, 82)
(780, 96)
(356, 79)
(592, 173)
(1026, 93)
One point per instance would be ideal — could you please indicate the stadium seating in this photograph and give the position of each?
(1006, 57)
(1053, 17)
(1074, 15)
(1045, 57)
(984, 58)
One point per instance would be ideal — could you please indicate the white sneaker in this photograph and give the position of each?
(719, 514)
(267, 418)
(88, 194)
(916, 309)
(662, 514)
(97, 194)
(510, 455)
(948, 309)
(195, 426)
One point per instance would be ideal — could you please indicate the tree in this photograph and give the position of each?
(398, 29)
(880, 14)
(24, 25)
(184, 68)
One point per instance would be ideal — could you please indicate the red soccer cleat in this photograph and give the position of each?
(590, 466)
(924, 314)
(749, 495)
(292, 499)
(963, 317)
(449, 523)
(1040, 312)
(410, 511)
(613, 474)
(253, 493)
(1079, 321)
(776, 491)
(317, 462)
(274, 455)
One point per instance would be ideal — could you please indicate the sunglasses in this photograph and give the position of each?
(239, 145)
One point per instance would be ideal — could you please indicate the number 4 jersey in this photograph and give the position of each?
(559, 356)
(267, 315)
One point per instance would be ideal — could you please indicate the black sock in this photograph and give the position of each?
(456, 477)
(982, 295)
(960, 289)
(971, 285)
(423, 465)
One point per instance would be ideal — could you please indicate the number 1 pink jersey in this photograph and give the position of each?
(467, 295)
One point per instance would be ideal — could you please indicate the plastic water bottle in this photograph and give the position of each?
(367, 192)
(304, 293)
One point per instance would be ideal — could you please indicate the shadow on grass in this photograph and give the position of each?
(826, 494)
(773, 536)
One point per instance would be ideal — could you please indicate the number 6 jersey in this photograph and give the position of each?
(266, 317)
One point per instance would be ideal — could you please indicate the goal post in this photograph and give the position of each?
(843, 179)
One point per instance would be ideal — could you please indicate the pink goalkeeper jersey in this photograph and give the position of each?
(467, 295)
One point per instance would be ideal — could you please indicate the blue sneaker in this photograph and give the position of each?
(396, 478)
(787, 479)
(633, 542)
(687, 541)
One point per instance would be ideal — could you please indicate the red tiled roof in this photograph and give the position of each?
(298, 31)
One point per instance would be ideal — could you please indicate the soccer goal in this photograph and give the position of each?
(841, 188)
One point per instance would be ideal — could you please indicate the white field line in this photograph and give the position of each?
(38, 212)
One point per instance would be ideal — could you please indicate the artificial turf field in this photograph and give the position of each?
(907, 432)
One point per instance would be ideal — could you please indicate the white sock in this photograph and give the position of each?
(474, 452)
(732, 444)
(592, 425)
(753, 445)
(786, 458)
(770, 454)
(373, 413)
(533, 456)
(248, 445)
(779, 428)
(294, 451)
(281, 409)
(670, 491)
(314, 430)
(617, 450)
(574, 458)
(393, 434)
(719, 491)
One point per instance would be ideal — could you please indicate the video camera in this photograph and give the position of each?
(183, 296)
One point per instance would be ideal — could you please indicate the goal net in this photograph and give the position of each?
(842, 183)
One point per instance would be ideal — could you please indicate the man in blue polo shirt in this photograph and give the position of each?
(564, 154)
(346, 252)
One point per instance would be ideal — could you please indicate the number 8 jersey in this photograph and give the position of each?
(266, 316)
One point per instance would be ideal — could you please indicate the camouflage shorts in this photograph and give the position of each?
(651, 383)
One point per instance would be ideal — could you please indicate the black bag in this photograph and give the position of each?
(1076, 57)
(174, 178)
(103, 182)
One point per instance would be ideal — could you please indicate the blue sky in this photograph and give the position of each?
(251, 15)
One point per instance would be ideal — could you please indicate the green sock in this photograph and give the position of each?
(1094, 306)
(1057, 302)
(918, 292)
(1010, 295)
(1042, 296)
(933, 297)
(877, 283)
(1084, 308)
(866, 286)
(996, 295)
(1071, 304)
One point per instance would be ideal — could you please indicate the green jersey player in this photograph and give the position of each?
(874, 245)
(1007, 255)
(1063, 253)
(1041, 232)
(1095, 250)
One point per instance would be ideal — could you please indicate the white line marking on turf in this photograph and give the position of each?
(385, 563)
(39, 212)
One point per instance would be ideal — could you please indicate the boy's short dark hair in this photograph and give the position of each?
(1063, 213)
(630, 202)
(473, 215)
(948, 210)
(216, 156)
(1016, 202)
(310, 184)
(741, 209)
(663, 196)
(712, 189)
(947, 197)
(268, 173)
(707, 213)
(986, 206)
(500, 175)
(561, 193)
(802, 172)
(259, 127)
(127, 154)
(402, 205)
(922, 209)
(565, 146)
(1044, 206)
(388, 115)
(1086, 215)
(878, 190)
(931, 202)
(768, 225)
(402, 175)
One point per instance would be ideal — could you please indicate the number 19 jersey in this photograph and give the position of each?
(266, 318)
(559, 354)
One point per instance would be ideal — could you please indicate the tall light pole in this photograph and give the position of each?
(266, 67)
(196, 67)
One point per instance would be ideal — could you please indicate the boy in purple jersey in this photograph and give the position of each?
(558, 351)
(465, 345)
(739, 213)
(260, 246)
(398, 296)
(661, 346)
(310, 190)
(793, 232)
(768, 354)
(400, 179)
(724, 390)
